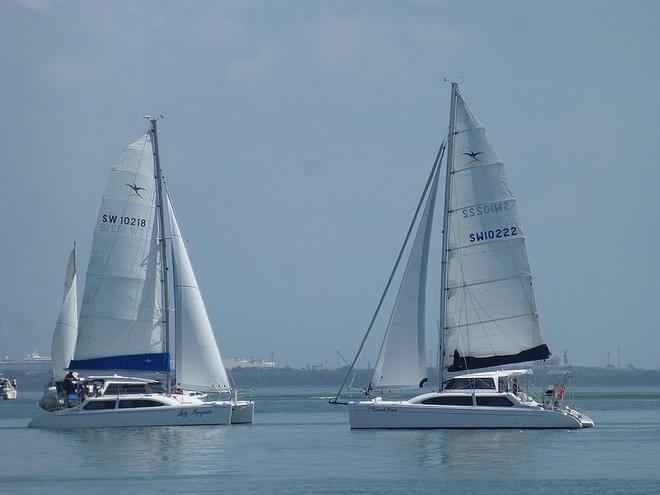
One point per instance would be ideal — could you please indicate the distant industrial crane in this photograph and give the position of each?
(339, 355)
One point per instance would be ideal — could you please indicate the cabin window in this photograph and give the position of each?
(126, 389)
(99, 404)
(494, 401)
(133, 403)
(155, 388)
(451, 400)
(470, 384)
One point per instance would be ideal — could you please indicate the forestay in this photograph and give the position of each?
(121, 318)
(491, 316)
(402, 359)
(198, 362)
(66, 329)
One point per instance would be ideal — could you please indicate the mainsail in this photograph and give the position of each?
(490, 313)
(402, 359)
(66, 329)
(121, 317)
(198, 362)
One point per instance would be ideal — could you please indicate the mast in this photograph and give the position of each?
(163, 248)
(445, 237)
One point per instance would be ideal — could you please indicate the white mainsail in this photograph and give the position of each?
(66, 329)
(121, 317)
(491, 316)
(198, 362)
(402, 359)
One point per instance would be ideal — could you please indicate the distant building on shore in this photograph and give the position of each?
(32, 363)
(247, 363)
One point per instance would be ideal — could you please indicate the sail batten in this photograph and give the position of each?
(490, 312)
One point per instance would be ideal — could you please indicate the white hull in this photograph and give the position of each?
(402, 414)
(207, 413)
(9, 394)
(242, 412)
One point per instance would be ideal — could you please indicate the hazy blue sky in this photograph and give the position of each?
(297, 139)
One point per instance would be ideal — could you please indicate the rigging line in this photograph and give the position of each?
(436, 164)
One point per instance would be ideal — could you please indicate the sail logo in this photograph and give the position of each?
(473, 155)
(136, 189)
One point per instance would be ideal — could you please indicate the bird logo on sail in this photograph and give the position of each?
(136, 189)
(474, 155)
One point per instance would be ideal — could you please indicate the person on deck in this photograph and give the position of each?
(69, 387)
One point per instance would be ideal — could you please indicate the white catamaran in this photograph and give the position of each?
(125, 316)
(487, 310)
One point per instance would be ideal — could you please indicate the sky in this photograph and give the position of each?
(297, 139)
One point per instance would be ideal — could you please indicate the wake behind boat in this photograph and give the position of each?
(487, 309)
(125, 319)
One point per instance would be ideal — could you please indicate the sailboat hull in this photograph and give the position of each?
(209, 413)
(242, 412)
(404, 415)
(9, 394)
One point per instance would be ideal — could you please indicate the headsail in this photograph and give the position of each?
(491, 316)
(121, 317)
(402, 358)
(198, 362)
(66, 329)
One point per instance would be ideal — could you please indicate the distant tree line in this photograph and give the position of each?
(278, 377)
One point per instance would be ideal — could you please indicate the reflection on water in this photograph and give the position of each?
(300, 444)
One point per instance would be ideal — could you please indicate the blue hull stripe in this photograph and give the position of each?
(134, 362)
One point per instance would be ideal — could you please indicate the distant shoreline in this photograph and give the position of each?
(582, 375)
(283, 377)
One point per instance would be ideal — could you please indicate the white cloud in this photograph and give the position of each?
(65, 70)
(253, 69)
(36, 5)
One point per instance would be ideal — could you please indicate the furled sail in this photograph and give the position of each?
(402, 359)
(66, 329)
(198, 362)
(121, 316)
(491, 316)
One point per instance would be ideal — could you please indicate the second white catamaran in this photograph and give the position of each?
(488, 315)
(125, 321)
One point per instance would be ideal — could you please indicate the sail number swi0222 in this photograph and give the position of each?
(487, 235)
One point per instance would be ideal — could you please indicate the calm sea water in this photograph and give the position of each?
(301, 445)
